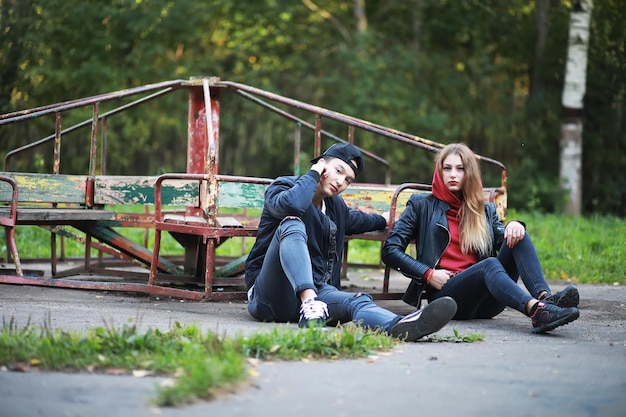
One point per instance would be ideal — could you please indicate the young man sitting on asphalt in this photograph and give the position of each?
(293, 270)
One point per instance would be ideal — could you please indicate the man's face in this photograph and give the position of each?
(336, 178)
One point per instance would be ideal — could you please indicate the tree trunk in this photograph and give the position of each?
(361, 16)
(572, 101)
(535, 95)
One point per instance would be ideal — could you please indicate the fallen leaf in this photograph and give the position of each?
(168, 383)
(115, 371)
(21, 367)
(140, 373)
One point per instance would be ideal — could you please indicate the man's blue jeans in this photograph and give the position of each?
(486, 288)
(287, 271)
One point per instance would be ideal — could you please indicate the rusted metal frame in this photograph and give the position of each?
(392, 219)
(73, 104)
(89, 188)
(84, 123)
(203, 141)
(155, 256)
(103, 159)
(103, 145)
(349, 120)
(158, 207)
(56, 170)
(118, 241)
(351, 134)
(118, 246)
(105, 286)
(197, 140)
(93, 148)
(209, 232)
(159, 224)
(362, 124)
(318, 136)
(158, 185)
(9, 225)
(63, 232)
(391, 133)
(209, 262)
(53, 254)
(297, 146)
(208, 200)
(57, 143)
(310, 126)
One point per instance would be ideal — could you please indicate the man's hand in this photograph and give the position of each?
(319, 166)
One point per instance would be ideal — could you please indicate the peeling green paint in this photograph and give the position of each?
(140, 190)
(46, 188)
(241, 195)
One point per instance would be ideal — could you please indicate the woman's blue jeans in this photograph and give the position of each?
(486, 288)
(287, 271)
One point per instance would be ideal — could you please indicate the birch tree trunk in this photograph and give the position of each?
(361, 16)
(542, 12)
(572, 102)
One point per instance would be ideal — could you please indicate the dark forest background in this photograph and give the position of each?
(475, 71)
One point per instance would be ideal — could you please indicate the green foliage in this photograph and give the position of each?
(587, 250)
(463, 70)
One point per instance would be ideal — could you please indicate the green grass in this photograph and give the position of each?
(579, 249)
(197, 365)
(572, 249)
(590, 250)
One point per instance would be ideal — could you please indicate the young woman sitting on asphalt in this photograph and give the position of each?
(465, 252)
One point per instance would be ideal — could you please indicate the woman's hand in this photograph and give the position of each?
(439, 278)
(514, 233)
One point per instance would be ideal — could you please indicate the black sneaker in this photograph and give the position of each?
(425, 321)
(567, 297)
(550, 316)
(313, 313)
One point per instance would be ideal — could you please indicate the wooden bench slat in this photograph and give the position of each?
(376, 199)
(29, 215)
(45, 188)
(129, 190)
(241, 195)
(228, 222)
(200, 221)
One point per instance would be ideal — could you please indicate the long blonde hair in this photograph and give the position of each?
(475, 236)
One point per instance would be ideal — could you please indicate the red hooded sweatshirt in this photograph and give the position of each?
(453, 258)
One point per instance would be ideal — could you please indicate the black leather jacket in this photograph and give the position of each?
(424, 221)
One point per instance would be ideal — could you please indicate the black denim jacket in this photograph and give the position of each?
(292, 196)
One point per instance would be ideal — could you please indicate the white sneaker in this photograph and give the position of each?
(313, 313)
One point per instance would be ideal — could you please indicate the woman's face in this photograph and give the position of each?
(453, 173)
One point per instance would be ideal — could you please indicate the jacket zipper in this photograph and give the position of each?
(447, 244)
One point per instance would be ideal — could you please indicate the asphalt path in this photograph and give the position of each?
(576, 370)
